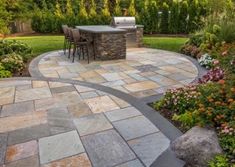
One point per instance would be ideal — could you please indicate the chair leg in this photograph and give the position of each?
(83, 53)
(70, 45)
(64, 45)
(74, 51)
(88, 55)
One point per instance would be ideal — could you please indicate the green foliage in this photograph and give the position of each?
(117, 9)
(131, 9)
(153, 18)
(82, 15)
(227, 142)
(164, 24)
(174, 17)
(227, 32)
(4, 73)
(12, 46)
(105, 13)
(92, 13)
(219, 161)
(13, 62)
(183, 17)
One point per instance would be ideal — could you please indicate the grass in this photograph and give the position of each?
(43, 44)
(165, 43)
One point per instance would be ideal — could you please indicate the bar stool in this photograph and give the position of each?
(70, 39)
(80, 44)
(66, 37)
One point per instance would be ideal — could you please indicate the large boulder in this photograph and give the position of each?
(197, 146)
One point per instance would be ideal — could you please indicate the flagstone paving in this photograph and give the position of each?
(145, 72)
(47, 124)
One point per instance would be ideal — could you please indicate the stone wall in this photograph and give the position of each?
(139, 36)
(107, 46)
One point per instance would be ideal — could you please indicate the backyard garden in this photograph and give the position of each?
(203, 30)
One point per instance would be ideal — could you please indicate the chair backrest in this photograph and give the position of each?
(76, 35)
(70, 34)
(65, 29)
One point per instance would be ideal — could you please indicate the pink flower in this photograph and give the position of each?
(224, 53)
(216, 62)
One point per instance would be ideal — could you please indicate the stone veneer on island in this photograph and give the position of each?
(108, 43)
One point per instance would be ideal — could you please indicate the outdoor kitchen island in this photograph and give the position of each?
(108, 43)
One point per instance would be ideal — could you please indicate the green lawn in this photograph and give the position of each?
(42, 44)
(166, 43)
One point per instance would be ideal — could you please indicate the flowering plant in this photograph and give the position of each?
(206, 60)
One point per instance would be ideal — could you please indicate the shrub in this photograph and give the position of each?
(227, 32)
(13, 62)
(4, 73)
(13, 46)
(183, 17)
(219, 161)
(174, 17)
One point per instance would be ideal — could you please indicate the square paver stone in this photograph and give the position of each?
(26, 162)
(150, 147)
(134, 163)
(88, 95)
(107, 149)
(112, 76)
(135, 127)
(59, 146)
(79, 110)
(17, 108)
(101, 104)
(7, 95)
(32, 94)
(92, 124)
(141, 86)
(80, 160)
(21, 151)
(122, 114)
(27, 134)
(3, 147)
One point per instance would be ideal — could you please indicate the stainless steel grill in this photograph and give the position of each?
(128, 24)
(124, 22)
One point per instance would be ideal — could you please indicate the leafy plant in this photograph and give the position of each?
(13, 62)
(219, 161)
(4, 73)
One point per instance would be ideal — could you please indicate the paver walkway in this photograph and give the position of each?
(82, 115)
(52, 124)
(145, 72)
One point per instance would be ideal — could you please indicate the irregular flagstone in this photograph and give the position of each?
(88, 95)
(23, 121)
(141, 86)
(101, 104)
(135, 163)
(148, 148)
(82, 89)
(17, 108)
(32, 94)
(122, 114)
(59, 146)
(79, 110)
(75, 161)
(40, 84)
(7, 95)
(3, 146)
(135, 127)
(27, 134)
(62, 89)
(21, 151)
(26, 162)
(121, 103)
(107, 149)
(92, 124)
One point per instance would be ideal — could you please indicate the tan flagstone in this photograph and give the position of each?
(101, 104)
(32, 94)
(22, 121)
(39, 84)
(82, 89)
(75, 161)
(130, 80)
(97, 79)
(21, 151)
(79, 110)
(7, 95)
(89, 74)
(141, 86)
(58, 84)
(120, 102)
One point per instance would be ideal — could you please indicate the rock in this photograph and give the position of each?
(197, 146)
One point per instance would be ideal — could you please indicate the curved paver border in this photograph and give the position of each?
(158, 120)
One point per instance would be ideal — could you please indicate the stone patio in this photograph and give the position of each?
(145, 72)
(83, 115)
(50, 124)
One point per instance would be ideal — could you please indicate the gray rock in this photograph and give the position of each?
(197, 146)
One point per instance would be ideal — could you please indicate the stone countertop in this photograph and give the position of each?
(100, 29)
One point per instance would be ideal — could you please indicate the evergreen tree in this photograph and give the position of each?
(82, 15)
(69, 9)
(92, 13)
(164, 24)
(105, 13)
(193, 22)
(174, 17)
(58, 12)
(117, 9)
(131, 9)
(183, 17)
(153, 17)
